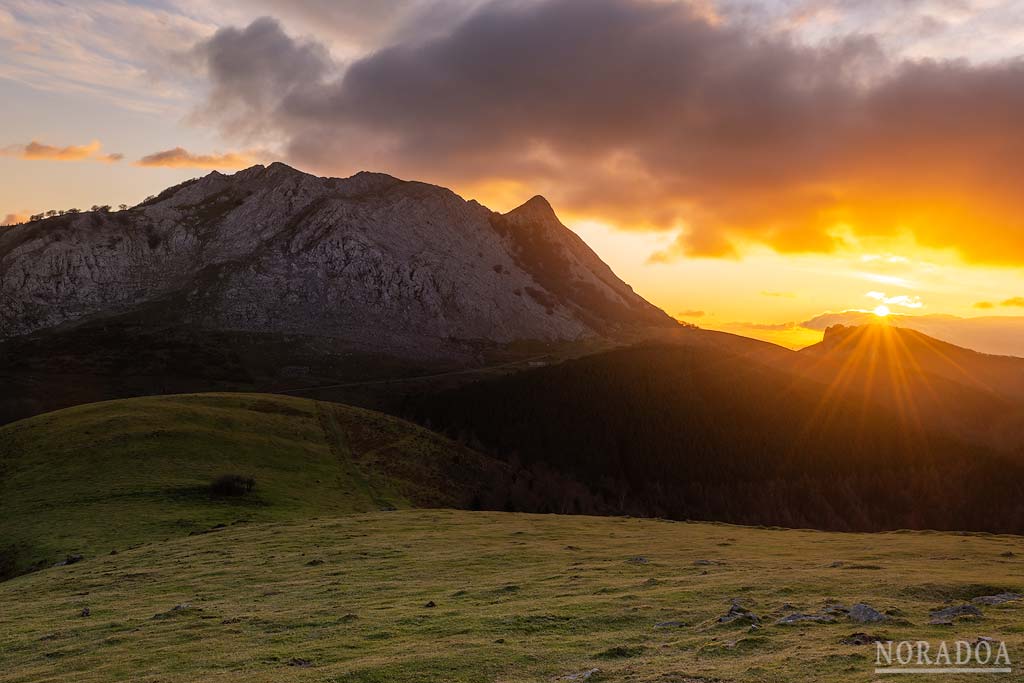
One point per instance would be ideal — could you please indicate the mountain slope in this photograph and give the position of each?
(105, 476)
(381, 263)
(701, 433)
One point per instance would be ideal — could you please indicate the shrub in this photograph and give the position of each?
(232, 485)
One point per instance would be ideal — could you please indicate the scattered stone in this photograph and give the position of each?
(430, 605)
(86, 612)
(571, 547)
(349, 618)
(861, 639)
(834, 609)
(70, 559)
(997, 599)
(1008, 553)
(299, 662)
(500, 641)
(705, 563)
(177, 609)
(581, 676)
(738, 613)
(798, 618)
(315, 563)
(651, 582)
(946, 616)
(622, 652)
(639, 559)
(836, 565)
(865, 614)
(113, 552)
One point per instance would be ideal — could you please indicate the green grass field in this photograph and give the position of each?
(333, 571)
(106, 476)
(517, 598)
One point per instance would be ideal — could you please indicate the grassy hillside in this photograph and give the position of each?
(515, 598)
(106, 476)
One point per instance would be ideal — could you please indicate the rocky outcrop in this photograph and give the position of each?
(383, 263)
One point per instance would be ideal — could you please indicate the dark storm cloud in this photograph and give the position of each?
(650, 115)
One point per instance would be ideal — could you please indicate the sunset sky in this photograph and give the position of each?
(756, 167)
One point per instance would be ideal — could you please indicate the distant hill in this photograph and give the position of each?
(100, 477)
(976, 396)
(702, 433)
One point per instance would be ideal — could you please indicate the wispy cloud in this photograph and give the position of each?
(180, 157)
(38, 151)
(14, 218)
(904, 300)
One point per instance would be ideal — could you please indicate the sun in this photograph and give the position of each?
(882, 311)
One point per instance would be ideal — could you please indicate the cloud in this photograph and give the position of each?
(37, 151)
(984, 304)
(14, 218)
(1017, 301)
(904, 300)
(180, 157)
(651, 116)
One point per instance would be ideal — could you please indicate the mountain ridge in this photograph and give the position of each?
(369, 258)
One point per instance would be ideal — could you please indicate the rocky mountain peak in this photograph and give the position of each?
(536, 209)
(369, 259)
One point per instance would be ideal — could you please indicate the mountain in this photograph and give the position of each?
(692, 432)
(383, 264)
(272, 279)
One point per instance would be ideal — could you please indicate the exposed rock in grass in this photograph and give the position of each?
(70, 559)
(581, 676)
(299, 662)
(997, 599)
(315, 563)
(174, 611)
(639, 559)
(622, 652)
(738, 612)
(861, 639)
(430, 605)
(85, 612)
(865, 614)
(799, 618)
(946, 616)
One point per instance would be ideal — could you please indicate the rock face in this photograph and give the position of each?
(370, 259)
